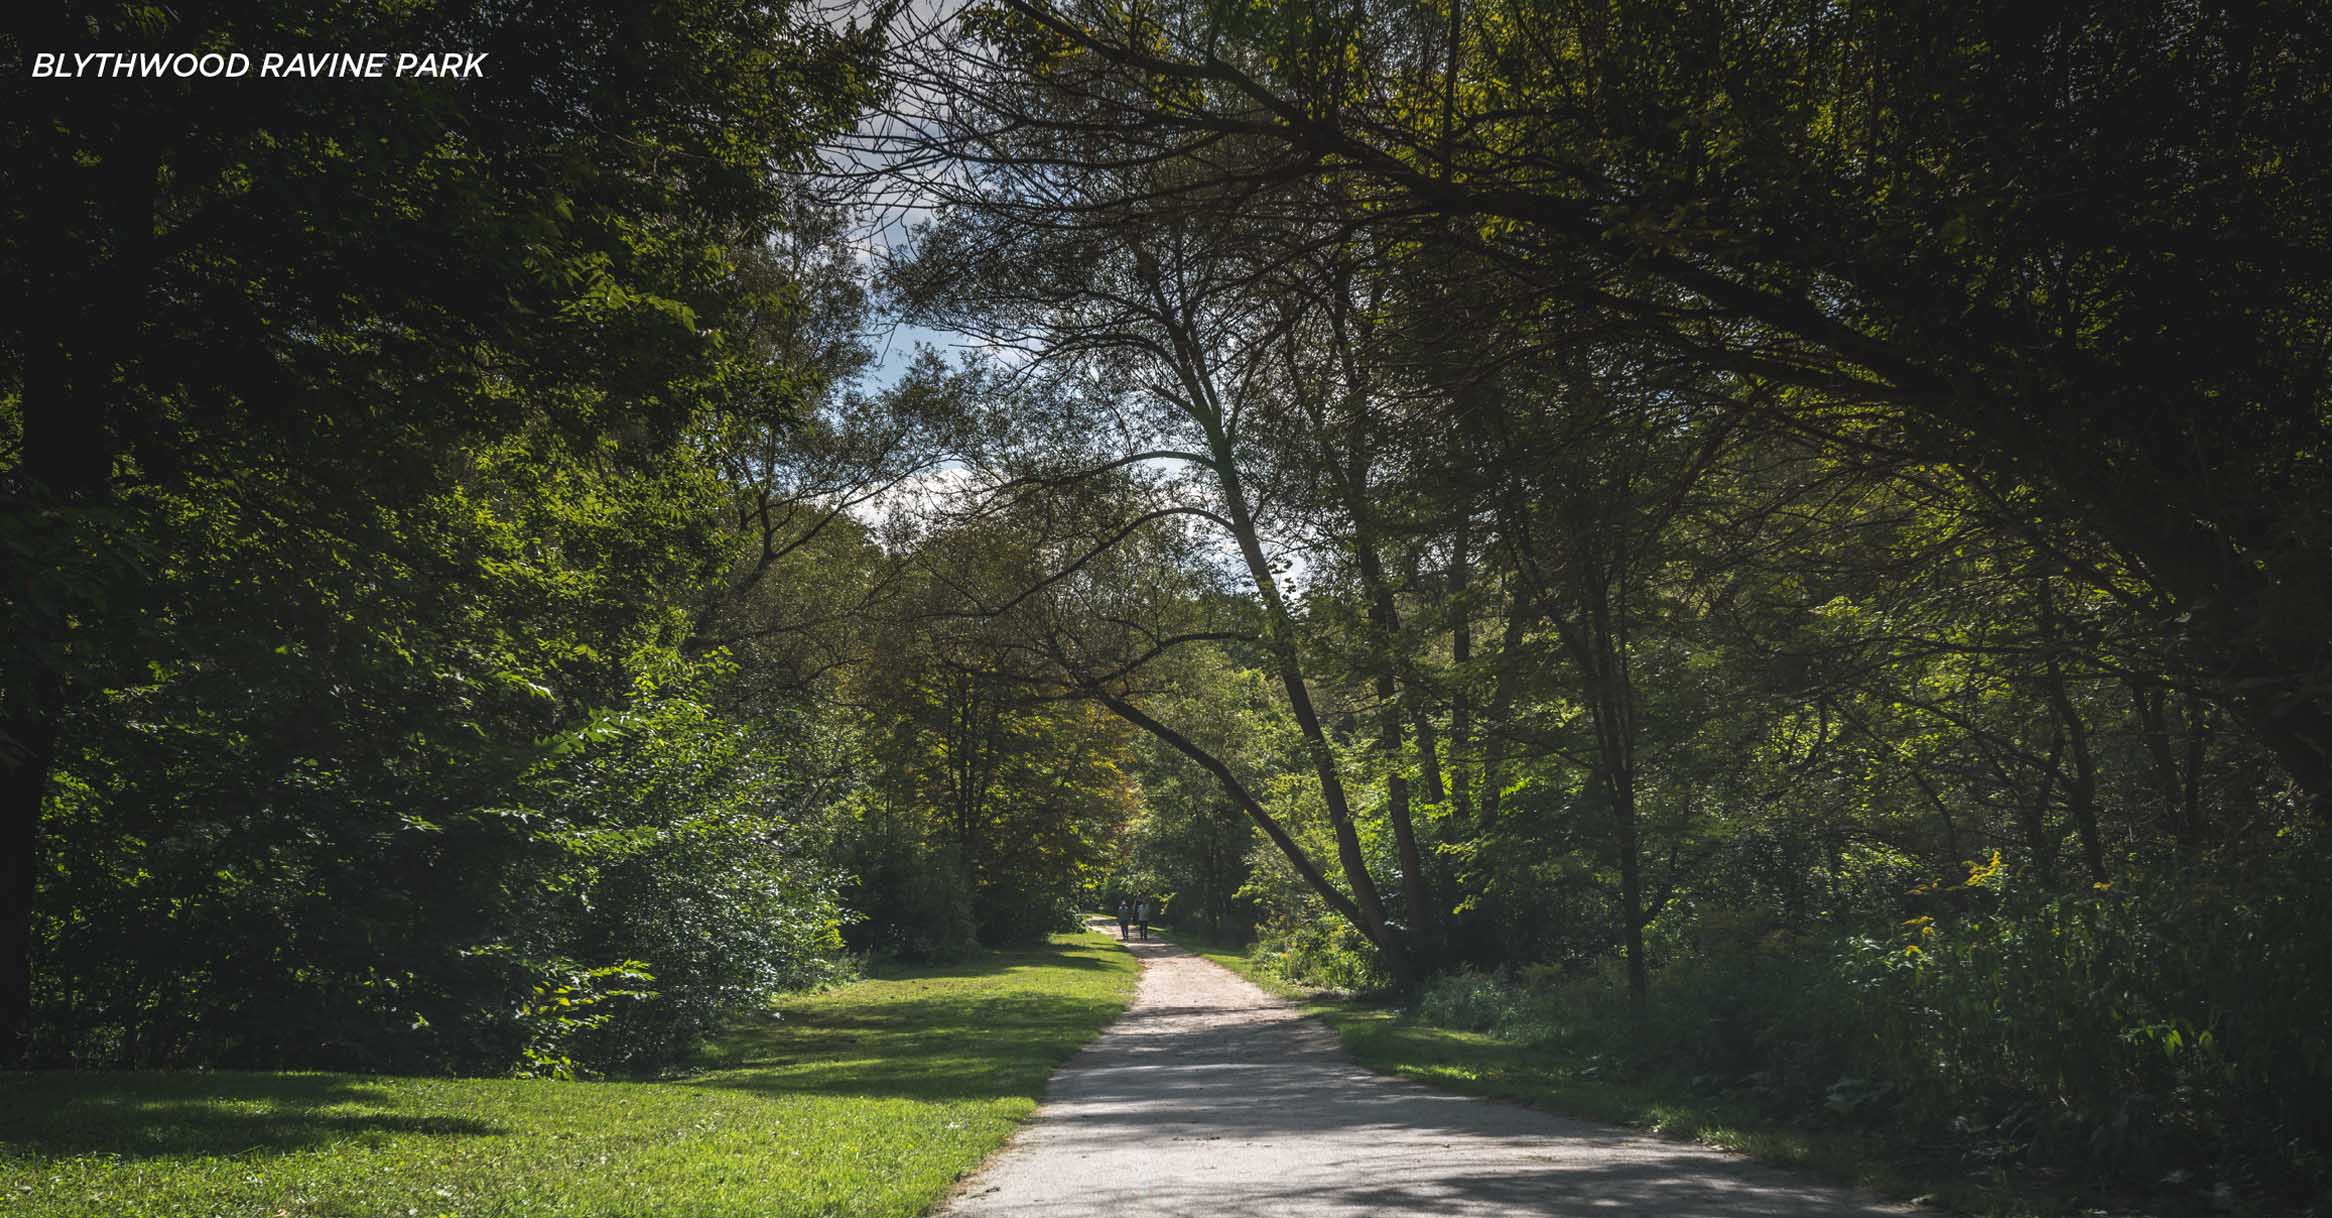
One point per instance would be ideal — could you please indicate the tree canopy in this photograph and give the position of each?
(1793, 534)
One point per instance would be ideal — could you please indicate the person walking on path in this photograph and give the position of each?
(1125, 917)
(1142, 915)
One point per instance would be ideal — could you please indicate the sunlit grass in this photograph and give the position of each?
(871, 1099)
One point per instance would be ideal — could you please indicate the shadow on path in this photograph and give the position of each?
(1210, 1097)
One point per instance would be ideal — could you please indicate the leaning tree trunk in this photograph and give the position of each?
(1288, 665)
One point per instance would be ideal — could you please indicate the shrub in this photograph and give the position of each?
(2167, 1023)
(2165, 1020)
(417, 928)
(909, 900)
(1467, 1001)
(1323, 953)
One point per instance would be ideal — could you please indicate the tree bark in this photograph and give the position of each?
(2174, 778)
(1502, 692)
(1189, 363)
(1385, 617)
(2081, 787)
(1367, 906)
(1296, 855)
(1461, 697)
(32, 732)
(2228, 564)
(1615, 740)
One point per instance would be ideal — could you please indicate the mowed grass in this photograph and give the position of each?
(871, 1099)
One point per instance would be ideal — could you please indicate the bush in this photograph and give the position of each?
(630, 870)
(1023, 908)
(908, 900)
(670, 866)
(1322, 953)
(1472, 1002)
(2165, 1024)
(2166, 1021)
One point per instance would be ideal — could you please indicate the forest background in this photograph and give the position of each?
(1784, 542)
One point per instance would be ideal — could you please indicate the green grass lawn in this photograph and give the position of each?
(870, 1099)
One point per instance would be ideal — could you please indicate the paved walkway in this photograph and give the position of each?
(1210, 1098)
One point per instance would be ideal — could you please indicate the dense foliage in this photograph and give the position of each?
(1784, 538)
(1782, 543)
(357, 459)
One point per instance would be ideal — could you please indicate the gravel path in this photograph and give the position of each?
(1211, 1098)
